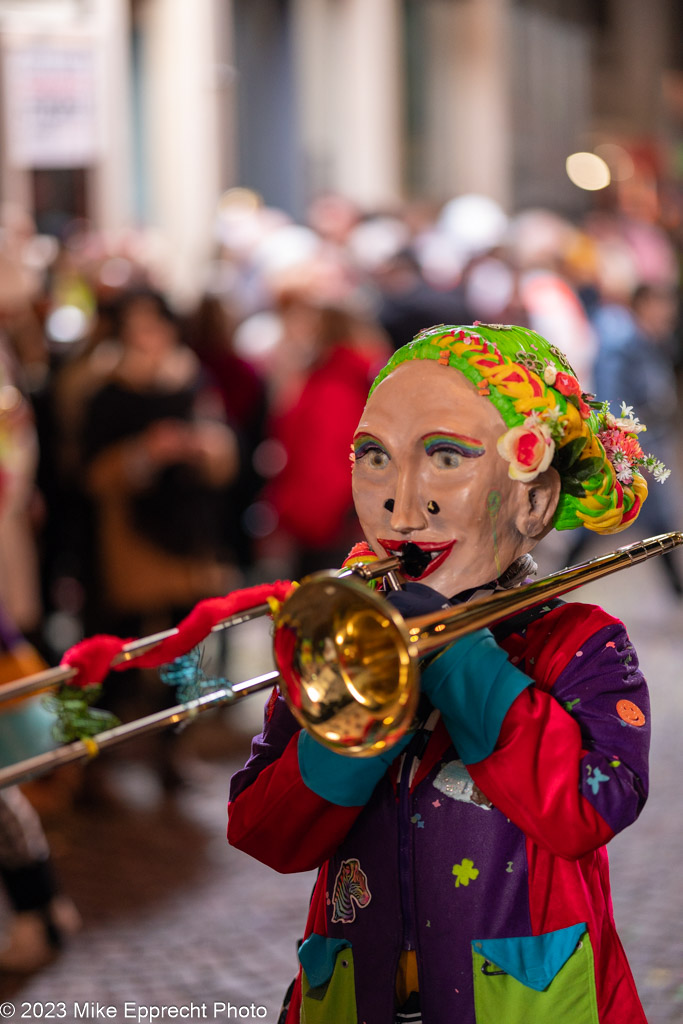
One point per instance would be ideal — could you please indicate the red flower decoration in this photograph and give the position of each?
(568, 386)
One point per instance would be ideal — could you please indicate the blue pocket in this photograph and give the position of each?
(534, 960)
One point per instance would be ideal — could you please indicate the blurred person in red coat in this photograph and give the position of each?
(209, 331)
(318, 377)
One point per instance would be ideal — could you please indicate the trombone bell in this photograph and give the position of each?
(349, 662)
(347, 668)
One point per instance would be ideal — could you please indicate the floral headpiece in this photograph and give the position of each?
(550, 420)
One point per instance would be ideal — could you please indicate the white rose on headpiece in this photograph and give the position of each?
(528, 448)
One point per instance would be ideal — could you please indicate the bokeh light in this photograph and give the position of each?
(619, 160)
(588, 171)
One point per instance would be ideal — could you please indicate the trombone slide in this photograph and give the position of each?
(347, 662)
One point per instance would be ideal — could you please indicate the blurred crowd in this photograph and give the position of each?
(152, 455)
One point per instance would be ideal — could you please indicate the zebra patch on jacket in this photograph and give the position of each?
(350, 890)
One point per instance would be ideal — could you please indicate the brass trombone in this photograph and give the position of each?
(347, 662)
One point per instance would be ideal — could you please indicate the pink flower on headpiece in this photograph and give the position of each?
(529, 449)
(616, 440)
(567, 386)
(623, 451)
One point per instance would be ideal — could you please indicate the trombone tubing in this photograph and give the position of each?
(52, 677)
(49, 678)
(426, 633)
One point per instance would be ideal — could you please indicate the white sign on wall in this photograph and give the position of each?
(51, 102)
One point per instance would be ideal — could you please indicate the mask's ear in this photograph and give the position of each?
(534, 519)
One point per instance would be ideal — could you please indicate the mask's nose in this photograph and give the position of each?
(409, 512)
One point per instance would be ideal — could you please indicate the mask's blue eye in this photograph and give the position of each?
(446, 458)
(371, 452)
(448, 451)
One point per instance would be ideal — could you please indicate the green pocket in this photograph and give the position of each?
(569, 998)
(332, 999)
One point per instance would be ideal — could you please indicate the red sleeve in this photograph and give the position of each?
(278, 820)
(533, 777)
(570, 764)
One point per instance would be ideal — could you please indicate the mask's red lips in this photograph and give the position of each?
(437, 553)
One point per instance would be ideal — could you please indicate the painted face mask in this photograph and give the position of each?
(427, 472)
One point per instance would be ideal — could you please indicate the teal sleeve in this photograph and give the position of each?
(342, 779)
(473, 684)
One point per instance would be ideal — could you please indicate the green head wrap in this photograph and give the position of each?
(550, 421)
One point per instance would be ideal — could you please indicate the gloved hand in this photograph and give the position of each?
(346, 781)
(473, 684)
(416, 599)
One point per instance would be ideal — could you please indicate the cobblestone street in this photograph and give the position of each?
(173, 916)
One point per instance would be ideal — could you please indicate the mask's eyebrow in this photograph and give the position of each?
(362, 441)
(468, 447)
